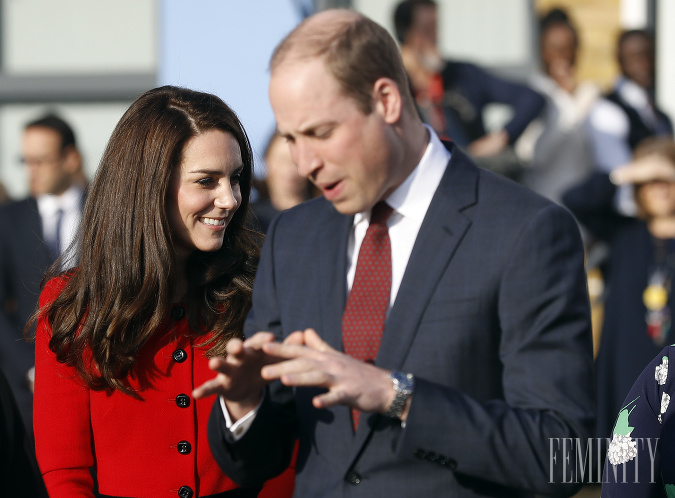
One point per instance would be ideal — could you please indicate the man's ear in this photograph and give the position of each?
(387, 99)
(72, 159)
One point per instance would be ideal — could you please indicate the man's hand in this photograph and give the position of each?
(312, 362)
(238, 380)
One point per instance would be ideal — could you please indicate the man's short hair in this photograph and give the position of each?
(55, 123)
(404, 16)
(357, 52)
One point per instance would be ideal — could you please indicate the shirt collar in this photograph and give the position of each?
(632, 93)
(68, 201)
(413, 196)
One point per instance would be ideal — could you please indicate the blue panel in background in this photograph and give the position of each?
(223, 47)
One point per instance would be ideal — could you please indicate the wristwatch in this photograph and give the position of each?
(404, 385)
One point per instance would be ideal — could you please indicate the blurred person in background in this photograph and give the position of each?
(628, 114)
(555, 147)
(639, 271)
(282, 188)
(18, 470)
(163, 279)
(451, 96)
(35, 232)
(4, 196)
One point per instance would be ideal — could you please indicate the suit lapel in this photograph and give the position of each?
(334, 281)
(444, 226)
(36, 235)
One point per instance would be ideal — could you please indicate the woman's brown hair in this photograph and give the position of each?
(120, 293)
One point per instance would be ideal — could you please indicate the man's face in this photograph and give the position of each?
(636, 57)
(345, 153)
(422, 37)
(48, 166)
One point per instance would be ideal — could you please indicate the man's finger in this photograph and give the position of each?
(314, 341)
(208, 388)
(257, 340)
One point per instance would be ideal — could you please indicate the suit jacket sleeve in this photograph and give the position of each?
(525, 102)
(61, 417)
(547, 371)
(592, 203)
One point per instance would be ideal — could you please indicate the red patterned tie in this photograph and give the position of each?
(368, 301)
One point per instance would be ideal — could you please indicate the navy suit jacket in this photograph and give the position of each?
(492, 317)
(24, 258)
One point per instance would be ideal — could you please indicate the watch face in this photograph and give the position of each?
(403, 382)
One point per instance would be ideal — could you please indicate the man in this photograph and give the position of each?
(628, 115)
(35, 231)
(452, 95)
(486, 350)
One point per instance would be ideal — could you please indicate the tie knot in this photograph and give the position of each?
(381, 213)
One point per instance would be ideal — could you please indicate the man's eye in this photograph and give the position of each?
(323, 134)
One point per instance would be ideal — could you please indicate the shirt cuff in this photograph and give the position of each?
(238, 429)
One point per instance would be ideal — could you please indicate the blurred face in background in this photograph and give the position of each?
(422, 37)
(656, 199)
(50, 168)
(284, 183)
(636, 58)
(558, 48)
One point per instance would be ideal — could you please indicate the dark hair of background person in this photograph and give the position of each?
(643, 33)
(122, 288)
(404, 16)
(55, 123)
(357, 52)
(558, 17)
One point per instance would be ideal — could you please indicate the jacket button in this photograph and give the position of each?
(183, 400)
(185, 492)
(177, 312)
(353, 478)
(184, 448)
(451, 464)
(419, 453)
(179, 355)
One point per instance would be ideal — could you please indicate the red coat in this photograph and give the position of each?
(150, 447)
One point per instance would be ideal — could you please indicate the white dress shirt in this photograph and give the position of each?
(410, 202)
(70, 202)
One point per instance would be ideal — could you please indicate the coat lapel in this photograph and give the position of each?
(444, 226)
(334, 281)
(35, 235)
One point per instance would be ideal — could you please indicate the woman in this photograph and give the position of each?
(639, 270)
(164, 276)
(556, 144)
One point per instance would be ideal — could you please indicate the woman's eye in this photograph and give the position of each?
(235, 179)
(206, 181)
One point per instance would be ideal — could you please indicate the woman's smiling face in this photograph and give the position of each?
(204, 192)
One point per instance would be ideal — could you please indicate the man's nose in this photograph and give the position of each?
(306, 159)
